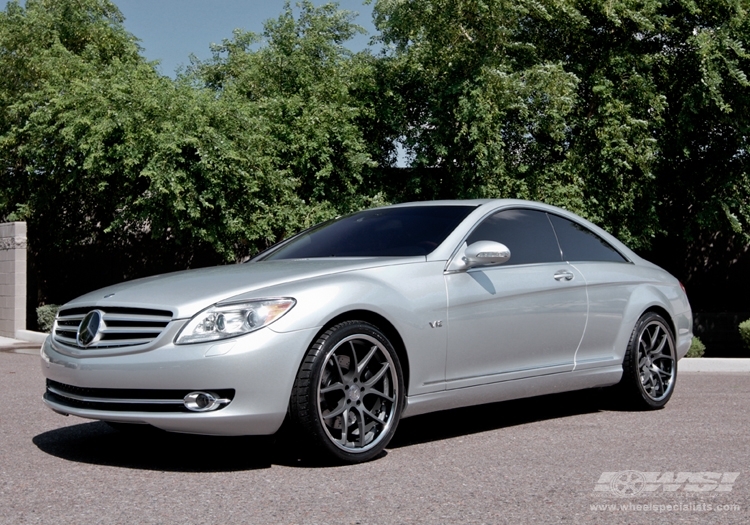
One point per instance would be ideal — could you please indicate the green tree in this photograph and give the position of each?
(705, 139)
(479, 103)
(662, 117)
(121, 172)
(49, 51)
(301, 84)
(631, 112)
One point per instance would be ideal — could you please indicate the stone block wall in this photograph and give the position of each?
(12, 278)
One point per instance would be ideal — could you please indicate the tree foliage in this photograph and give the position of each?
(300, 83)
(477, 100)
(633, 113)
(630, 112)
(121, 172)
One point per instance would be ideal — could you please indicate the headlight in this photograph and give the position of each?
(230, 320)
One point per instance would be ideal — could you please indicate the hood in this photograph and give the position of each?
(188, 292)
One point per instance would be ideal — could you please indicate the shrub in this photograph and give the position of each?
(697, 348)
(745, 333)
(45, 316)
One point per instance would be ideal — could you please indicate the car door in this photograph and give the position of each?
(523, 318)
(610, 279)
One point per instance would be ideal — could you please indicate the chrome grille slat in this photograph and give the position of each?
(137, 318)
(134, 329)
(66, 340)
(90, 399)
(121, 342)
(120, 326)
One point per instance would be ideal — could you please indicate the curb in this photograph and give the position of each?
(713, 364)
(32, 337)
(25, 342)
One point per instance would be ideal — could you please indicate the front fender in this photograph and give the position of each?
(410, 296)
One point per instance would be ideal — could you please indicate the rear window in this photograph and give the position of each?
(386, 232)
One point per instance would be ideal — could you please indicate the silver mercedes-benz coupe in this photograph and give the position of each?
(347, 327)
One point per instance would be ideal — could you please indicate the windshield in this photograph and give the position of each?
(385, 232)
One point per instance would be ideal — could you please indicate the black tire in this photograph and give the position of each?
(349, 393)
(650, 364)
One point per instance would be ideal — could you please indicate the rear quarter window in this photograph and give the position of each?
(578, 243)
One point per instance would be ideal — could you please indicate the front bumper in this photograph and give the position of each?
(259, 368)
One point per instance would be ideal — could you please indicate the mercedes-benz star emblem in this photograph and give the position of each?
(89, 329)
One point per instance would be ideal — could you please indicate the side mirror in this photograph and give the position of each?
(485, 253)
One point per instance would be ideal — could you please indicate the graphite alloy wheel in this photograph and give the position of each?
(349, 392)
(650, 364)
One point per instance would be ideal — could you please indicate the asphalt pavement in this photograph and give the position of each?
(570, 458)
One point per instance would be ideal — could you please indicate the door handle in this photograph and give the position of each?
(563, 274)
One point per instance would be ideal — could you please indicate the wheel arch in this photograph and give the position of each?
(643, 300)
(384, 325)
(666, 315)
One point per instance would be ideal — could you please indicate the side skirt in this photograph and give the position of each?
(512, 389)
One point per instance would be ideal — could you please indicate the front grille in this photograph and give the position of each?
(120, 326)
(124, 399)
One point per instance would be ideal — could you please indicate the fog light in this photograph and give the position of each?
(203, 401)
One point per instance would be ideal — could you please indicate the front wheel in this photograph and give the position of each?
(650, 364)
(348, 394)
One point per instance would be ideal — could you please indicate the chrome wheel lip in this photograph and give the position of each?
(656, 360)
(390, 416)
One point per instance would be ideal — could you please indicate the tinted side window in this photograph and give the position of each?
(580, 244)
(528, 234)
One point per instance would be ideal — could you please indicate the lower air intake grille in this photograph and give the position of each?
(121, 399)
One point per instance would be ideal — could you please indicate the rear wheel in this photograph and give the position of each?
(349, 392)
(650, 364)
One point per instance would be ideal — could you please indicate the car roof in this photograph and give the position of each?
(452, 202)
